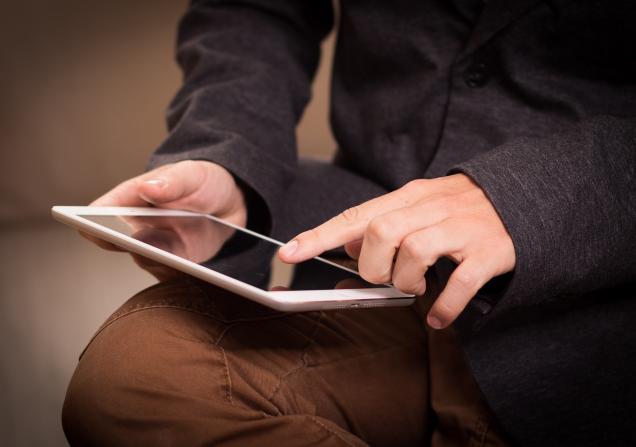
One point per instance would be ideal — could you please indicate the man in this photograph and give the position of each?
(505, 132)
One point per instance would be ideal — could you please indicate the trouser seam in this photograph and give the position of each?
(222, 334)
(304, 363)
(228, 377)
(142, 307)
(330, 431)
(366, 354)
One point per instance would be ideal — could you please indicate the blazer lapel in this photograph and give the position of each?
(496, 15)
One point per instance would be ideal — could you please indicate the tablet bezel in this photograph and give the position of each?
(286, 301)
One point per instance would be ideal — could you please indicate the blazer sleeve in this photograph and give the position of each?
(569, 203)
(248, 67)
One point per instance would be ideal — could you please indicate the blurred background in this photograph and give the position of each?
(83, 88)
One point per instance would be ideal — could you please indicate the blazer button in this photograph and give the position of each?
(476, 75)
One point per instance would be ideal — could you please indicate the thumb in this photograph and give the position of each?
(172, 184)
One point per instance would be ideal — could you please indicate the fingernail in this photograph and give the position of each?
(289, 248)
(434, 322)
(156, 182)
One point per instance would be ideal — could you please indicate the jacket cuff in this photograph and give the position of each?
(528, 183)
(567, 202)
(516, 207)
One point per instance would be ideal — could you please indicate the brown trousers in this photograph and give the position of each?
(186, 364)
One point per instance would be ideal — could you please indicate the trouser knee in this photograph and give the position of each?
(141, 372)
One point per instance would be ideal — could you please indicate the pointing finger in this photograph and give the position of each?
(337, 231)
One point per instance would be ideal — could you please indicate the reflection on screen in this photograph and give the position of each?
(232, 252)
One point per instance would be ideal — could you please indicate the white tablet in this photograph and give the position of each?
(230, 257)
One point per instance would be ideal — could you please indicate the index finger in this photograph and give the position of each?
(347, 226)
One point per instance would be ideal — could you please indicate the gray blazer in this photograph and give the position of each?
(535, 100)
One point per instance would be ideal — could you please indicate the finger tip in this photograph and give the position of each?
(287, 259)
(288, 251)
(281, 256)
(434, 322)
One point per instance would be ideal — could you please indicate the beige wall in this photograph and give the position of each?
(83, 88)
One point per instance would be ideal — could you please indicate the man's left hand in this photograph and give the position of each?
(398, 236)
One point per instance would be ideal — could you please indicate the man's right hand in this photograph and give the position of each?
(199, 186)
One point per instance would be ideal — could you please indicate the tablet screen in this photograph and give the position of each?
(235, 253)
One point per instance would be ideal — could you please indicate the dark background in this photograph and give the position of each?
(83, 89)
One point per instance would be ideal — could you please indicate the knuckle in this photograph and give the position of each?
(420, 246)
(412, 247)
(415, 185)
(350, 215)
(380, 229)
(468, 280)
